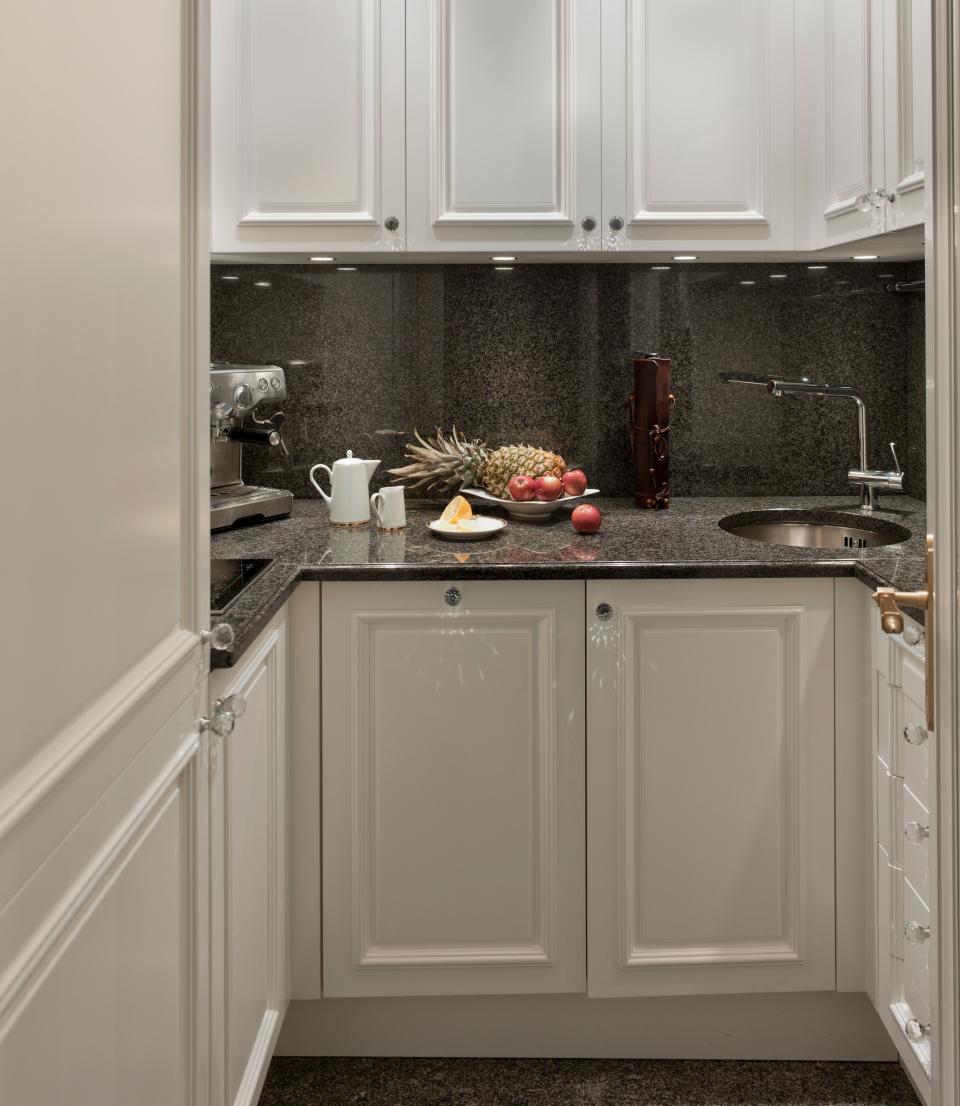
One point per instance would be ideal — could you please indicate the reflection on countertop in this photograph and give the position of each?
(682, 542)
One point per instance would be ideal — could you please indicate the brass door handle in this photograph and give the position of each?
(889, 600)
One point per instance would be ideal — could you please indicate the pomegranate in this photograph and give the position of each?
(522, 488)
(586, 518)
(574, 481)
(548, 487)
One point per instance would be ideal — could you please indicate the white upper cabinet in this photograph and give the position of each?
(868, 64)
(907, 96)
(504, 127)
(308, 125)
(698, 126)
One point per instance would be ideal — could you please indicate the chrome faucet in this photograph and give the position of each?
(869, 480)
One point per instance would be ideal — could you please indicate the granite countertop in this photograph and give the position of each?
(681, 543)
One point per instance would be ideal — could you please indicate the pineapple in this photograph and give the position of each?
(453, 461)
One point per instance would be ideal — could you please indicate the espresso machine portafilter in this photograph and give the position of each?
(236, 392)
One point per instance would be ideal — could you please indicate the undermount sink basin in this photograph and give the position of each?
(814, 529)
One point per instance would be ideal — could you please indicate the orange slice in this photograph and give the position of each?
(458, 508)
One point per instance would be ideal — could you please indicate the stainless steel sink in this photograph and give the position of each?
(814, 529)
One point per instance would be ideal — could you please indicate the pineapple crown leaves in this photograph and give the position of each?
(442, 461)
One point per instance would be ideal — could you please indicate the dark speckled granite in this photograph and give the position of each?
(542, 353)
(338, 1081)
(681, 543)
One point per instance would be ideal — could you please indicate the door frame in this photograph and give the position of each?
(943, 464)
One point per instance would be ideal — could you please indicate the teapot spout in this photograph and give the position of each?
(371, 468)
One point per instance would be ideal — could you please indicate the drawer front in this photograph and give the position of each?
(912, 830)
(911, 739)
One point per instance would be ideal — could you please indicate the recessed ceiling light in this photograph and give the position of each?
(323, 259)
(865, 256)
(778, 276)
(659, 268)
(503, 257)
(346, 268)
(261, 284)
(503, 268)
(748, 282)
(229, 278)
(816, 266)
(685, 257)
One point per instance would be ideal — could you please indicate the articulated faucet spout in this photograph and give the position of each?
(868, 479)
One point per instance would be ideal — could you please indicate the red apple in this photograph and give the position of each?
(586, 518)
(548, 487)
(522, 488)
(574, 481)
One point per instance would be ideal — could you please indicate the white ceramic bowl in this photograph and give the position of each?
(533, 510)
(486, 527)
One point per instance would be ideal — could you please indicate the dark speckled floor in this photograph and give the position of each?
(336, 1081)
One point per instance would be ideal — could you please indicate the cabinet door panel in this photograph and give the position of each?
(907, 84)
(309, 124)
(699, 123)
(504, 123)
(711, 788)
(453, 789)
(248, 770)
(853, 119)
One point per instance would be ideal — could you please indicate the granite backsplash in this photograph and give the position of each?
(541, 354)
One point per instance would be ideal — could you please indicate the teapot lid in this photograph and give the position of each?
(350, 459)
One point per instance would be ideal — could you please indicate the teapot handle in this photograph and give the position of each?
(313, 480)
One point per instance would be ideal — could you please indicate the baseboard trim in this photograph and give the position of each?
(802, 1026)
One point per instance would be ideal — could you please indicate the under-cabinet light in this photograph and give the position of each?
(323, 259)
(865, 256)
(685, 257)
(505, 257)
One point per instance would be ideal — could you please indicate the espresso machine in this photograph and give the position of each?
(238, 394)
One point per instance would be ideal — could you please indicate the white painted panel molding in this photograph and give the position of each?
(453, 789)
(908, 86)
(710, 823)
(251, 886)
(504, 124)
(309, 124)
(699, 123)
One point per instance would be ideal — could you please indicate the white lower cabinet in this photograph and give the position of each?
(904, 831)
(711, 786)
(453, 788)
(248, 778)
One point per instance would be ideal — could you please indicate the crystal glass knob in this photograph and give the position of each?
(221, 636)
(864, 202)
(916, 832)
(911, 635)
(452, 597)
(917, 1031)
(914, 733)
(916, 933)
(392, 223)
(604, 612)
(616, 222)
(588, 223)
(235, 704)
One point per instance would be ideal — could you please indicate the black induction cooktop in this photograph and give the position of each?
(229, 576)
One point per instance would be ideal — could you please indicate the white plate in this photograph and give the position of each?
(488, 526)
(533, 510)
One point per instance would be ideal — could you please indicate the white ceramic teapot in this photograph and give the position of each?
(349, 498)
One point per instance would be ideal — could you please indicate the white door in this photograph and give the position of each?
(453, 788)
(907, 89)
(248, 776)
(698, 124)
(710, 809)
(103, 309)
(308, 125)
(503, 118)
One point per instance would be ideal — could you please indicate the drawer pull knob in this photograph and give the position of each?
(914, 733)
(916, 933)
(911, 635)
(452, 597)
(917, 1031)
(916, 832)
(219, 637)
(225, 715)
(604, 612)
